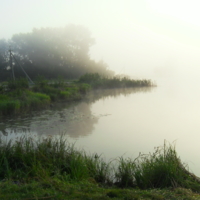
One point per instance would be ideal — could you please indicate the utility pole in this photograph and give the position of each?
(11, 64)
(16, 61)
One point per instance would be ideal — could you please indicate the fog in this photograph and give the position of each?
(150, 39)
(144, 39)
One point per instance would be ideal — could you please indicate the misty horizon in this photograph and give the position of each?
(146, 39)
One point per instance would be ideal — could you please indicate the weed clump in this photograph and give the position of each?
(99, 81)
(161, 169)
(22, 97)
(27, 159)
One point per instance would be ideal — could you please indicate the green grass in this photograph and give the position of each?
(98, 81)
(53, 169)
(9, 106)
(17, 101)
(16, 97)
(161, 169)
(55, 189)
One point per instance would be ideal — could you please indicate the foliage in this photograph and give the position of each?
(41, 81)
(4, 57)
(34, 100)
(161, 169)
(26, 158)
(98, 81)
(51, 52)
(8, 106)
(99, 170)
(18, 84)
(46, 158)
(53, 188)
(21, 97)
(90, 78)
(59, 82)
(84, 88)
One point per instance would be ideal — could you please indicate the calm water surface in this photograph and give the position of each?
(121, 122)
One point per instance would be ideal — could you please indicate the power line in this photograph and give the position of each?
(11, 55)
(11, 64)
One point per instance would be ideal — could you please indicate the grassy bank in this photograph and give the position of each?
(54, 169)
(17, 96)
(98, 81)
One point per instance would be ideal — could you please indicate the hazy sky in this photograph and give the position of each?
(143, 38)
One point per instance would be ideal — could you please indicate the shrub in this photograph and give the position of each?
(8, 106)
(84, 88)
(98, 81)
(41, 81)
(90, 78)
(161, 169)
(21, 83)
(59, 82)
(34, 100)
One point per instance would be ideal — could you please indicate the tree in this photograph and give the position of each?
(55, 51)
(4, 59)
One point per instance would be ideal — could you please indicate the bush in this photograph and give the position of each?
(90, 78)
(34, 100)
(98, 81)
(41, 81)
(158, 170)
(20, 84)
(8, 106)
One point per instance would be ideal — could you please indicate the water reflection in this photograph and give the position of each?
(73, 119)
(114, 93)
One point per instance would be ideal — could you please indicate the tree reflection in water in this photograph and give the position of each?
(73, 119)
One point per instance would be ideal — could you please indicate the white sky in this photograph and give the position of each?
(142, 38)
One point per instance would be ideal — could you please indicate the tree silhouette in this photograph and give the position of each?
(54, 51)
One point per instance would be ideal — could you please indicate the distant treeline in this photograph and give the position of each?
(50, 52)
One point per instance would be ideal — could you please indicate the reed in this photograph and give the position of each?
(26, 159)
(53, 169)
(99, 81)
(8, 105)
(59, 90)
(99, 170)
(160, 169)
(31, 99)
(19, 84)
(22, 98)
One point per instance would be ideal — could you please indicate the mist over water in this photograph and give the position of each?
(117, 123)
(146, 39)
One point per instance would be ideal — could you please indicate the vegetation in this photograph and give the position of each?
(98, 81)
(50, 52)
(53, 169)
(16, 96)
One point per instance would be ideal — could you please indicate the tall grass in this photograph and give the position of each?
(21, 98)
(27, 159)
(98, 81)
(33, 99)
(160, 169)
(8, 106)
(19, 84)
(16, 96)
(59, 90)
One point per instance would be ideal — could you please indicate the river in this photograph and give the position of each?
(121, 122)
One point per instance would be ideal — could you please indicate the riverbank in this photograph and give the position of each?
(54, 169)
(54, 189)
(17, 96)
